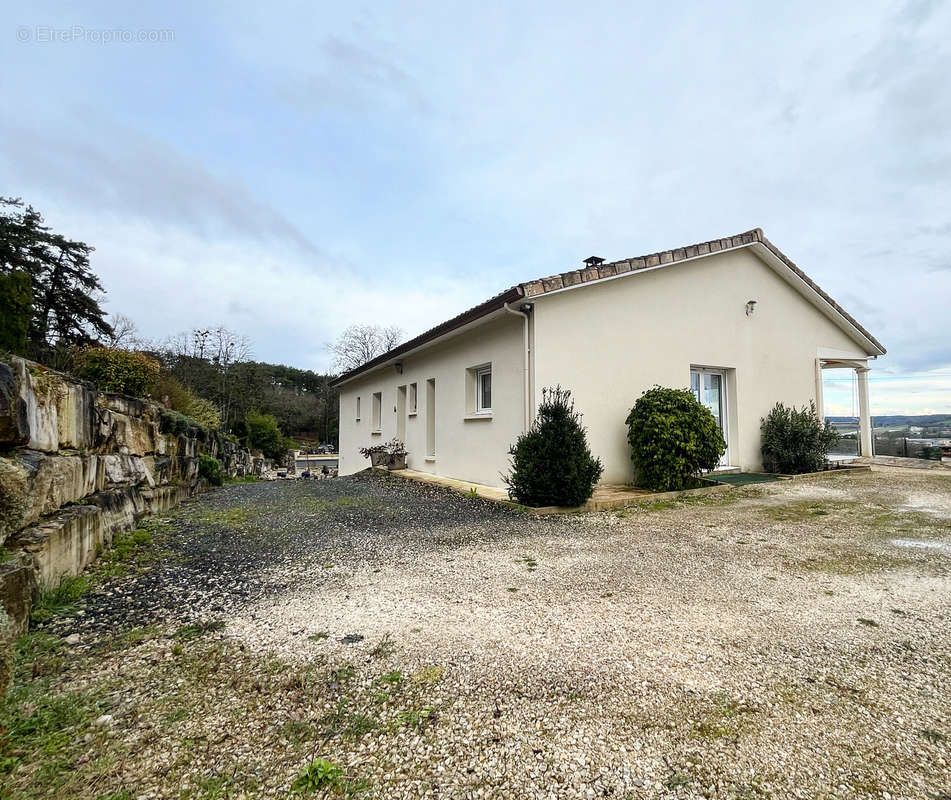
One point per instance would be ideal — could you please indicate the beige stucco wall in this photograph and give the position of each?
(473, 450)
(610, 341)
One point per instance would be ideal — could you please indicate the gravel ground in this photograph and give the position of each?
(786, 640)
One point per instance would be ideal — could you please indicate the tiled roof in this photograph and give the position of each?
(566, 280)
(577, 277)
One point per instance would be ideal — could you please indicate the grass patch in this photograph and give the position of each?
(393, 677)
(63, 600)
(530, 563)
(416, 718)
(43, 727)
(320, 505)
(324, 778)
(933, 736)
(319, 636)
(348, 722)
(853, 562)
(428, 676)
(383, 648)
(226, 518)
(727, 717)
(244, 479)
(342, 674)
(803, 511)
(195, 629)
(131, 552)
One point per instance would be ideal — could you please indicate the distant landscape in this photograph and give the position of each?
(898, 421)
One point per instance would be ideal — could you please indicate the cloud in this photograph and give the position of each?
(354, 77)
(174, 281)
(97, 163)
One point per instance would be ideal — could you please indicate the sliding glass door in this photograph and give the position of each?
(709, 387)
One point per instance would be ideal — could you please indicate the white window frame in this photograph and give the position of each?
(376, 421)
(722, 372)
(480, 373)
(412, 400)
(358, 408)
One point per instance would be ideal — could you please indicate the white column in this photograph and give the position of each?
(865, 419)
(820, 400)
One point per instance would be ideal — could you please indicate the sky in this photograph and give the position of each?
(287, 169)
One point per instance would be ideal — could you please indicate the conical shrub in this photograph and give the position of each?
(551, 462)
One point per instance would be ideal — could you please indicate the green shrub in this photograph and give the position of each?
(169, 390)
(118, 371)
(264, 434)
(794, 441)
(211, 470)
(551, 462)
(16, 309)
(673, 437)
(203, 411)
(180, 424)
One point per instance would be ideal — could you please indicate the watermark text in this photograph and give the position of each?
(44, 34)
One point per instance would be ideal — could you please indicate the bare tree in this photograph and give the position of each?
(125, 334)
(361, 343)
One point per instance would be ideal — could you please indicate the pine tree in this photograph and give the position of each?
(66, 308)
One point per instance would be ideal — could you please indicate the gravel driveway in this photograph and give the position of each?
(785, 640)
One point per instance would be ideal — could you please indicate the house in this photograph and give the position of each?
(733, 319)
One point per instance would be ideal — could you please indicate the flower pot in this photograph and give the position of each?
(397, 461)
(379, 459)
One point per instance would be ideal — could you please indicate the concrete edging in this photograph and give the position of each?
(592, 506)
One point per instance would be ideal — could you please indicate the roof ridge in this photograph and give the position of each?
(564, 280)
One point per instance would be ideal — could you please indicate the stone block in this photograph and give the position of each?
(17, 592)
(14, 425)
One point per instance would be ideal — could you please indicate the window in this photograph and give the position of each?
(377, 411)
(401, 413)
(358, 408)
(412, 399)
(483, 389)
(479, 392)
(431, 418)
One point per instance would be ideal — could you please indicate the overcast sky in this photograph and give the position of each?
(287, 169)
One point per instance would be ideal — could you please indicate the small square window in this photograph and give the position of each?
(483, 387)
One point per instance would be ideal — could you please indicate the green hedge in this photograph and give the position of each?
(118, 371)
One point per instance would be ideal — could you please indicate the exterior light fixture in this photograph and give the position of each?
(398, 366)
(750, 307)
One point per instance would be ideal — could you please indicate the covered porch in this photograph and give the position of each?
(861, 368)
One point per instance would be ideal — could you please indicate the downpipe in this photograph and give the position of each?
(526, 364)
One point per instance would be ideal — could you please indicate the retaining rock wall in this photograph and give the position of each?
(78, 466)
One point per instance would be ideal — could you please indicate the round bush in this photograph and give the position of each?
(119, 371)
(211, 470)
(794, 440)
(673, 437)
(551, 462)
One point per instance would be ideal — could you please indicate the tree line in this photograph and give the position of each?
(51, 312)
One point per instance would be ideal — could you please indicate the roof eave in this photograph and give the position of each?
(434, 335)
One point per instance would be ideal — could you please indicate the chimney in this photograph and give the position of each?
(593, 261)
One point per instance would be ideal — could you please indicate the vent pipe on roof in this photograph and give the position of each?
(593, 261)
